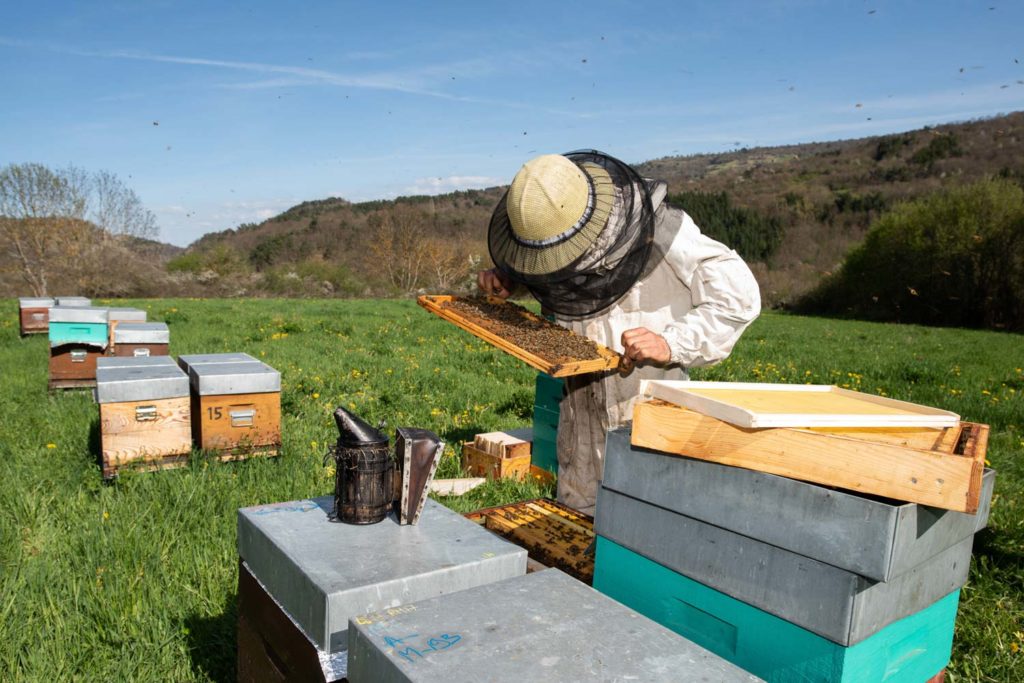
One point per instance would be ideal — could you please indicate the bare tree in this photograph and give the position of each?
(60, 220)
(396, 239)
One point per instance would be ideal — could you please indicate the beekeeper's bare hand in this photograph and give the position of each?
(640, 346)
(494, 282)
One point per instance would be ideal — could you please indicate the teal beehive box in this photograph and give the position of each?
(548, 396)
(911, 650)
(78, 325)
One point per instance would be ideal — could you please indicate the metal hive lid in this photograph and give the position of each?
(188, 360)
(127, 314)
(140, 383)
(73, 301)
(34, 302)
(252, 377)
(142, 333)
(108, 362)
(78, 314)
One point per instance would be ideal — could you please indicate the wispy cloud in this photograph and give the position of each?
(451, 183)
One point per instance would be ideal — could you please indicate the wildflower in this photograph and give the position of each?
(106, 515)
(51, 445)
(316, 395)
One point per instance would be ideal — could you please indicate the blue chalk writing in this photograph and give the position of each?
(410, 653)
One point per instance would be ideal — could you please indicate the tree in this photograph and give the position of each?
(61, 221)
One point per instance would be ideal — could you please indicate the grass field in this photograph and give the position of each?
(136, 580)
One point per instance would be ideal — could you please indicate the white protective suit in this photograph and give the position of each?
(698, 294)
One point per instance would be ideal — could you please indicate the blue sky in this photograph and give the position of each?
(229, 112)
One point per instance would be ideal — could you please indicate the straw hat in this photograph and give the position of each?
(575, 229)
(556, 210)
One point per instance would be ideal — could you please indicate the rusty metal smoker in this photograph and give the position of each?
(370, 480)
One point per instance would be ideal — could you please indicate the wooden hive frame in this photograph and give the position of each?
(907, 465)
(608, 359)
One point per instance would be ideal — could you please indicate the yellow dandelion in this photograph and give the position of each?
(316, 395)
(106, 515)
(51, 445)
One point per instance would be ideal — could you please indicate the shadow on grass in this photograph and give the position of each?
(990, 548)
(96, 443)
(213, 643)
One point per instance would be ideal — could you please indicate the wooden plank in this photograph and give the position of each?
(908, 474)
(125, 438)
(217, 424)
(925, 438)
(756, 405)
(480, 464)
(608, 360)
(455, 487)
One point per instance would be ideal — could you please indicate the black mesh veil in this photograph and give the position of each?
(610, 258)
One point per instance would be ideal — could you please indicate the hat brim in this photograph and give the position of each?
(528, 260)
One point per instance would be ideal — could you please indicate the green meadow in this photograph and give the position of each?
(136, 579)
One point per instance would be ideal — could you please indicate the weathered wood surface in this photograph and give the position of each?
(271, 647)
(218, 425)
(930, 477)
(608, 360)
(130, 350)
(501, 444)
(124, 438)
(63, 368)
(34, 321)
(480, 464)
(552, 534)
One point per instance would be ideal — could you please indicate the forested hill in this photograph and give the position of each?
(794, 212)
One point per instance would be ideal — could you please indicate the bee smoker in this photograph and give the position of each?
(364, 471)
(369, 479)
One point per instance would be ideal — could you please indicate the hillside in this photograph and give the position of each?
(823, 195)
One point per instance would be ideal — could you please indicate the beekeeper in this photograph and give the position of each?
(598, 246)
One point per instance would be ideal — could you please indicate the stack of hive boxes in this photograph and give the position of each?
(545, 421)
(303, 577)
(145, 415)
(236, 404)
(117, 316)
(78, 336)
(34, 315)
(790, 580)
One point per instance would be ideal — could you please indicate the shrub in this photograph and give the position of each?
(954, 258)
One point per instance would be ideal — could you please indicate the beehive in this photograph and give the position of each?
(78, 336)
(34, 315)
(236, 407)
(145, 417)
(323, 573)
(141, 339)
(118, 316)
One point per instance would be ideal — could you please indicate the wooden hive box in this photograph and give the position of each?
(145, 417)
(118, 316)
(881, 462)
(34, 315)
(554, 535)
(236, 408)
(141, 339)
(78, 336)
(497, 455)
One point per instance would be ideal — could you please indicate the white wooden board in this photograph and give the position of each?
(754, 406)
